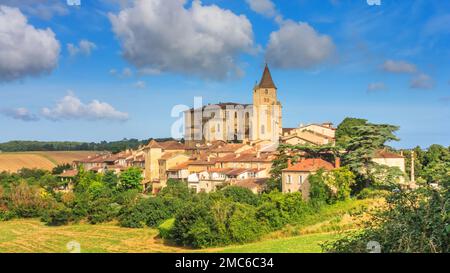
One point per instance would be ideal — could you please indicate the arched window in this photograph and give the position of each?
(218, 128)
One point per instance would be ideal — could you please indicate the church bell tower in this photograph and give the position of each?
(266, 123)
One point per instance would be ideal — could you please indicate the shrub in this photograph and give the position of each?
(28, 201)
(130, 179)
(100, 211)
(151, 212)
(57, 216)
(241, 195)
(6, 215)
(414, 222)
(176, 189)
(165, 228)
(372, 193)
(243, 225)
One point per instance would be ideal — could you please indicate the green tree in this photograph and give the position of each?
(110, 179)
(345, 130)
(361, 148)
(131, 179)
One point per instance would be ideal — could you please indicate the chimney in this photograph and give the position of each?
(289, 163)
(258, 154)
(337, 162)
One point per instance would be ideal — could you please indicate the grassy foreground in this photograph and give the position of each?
(30, 235)
(34, 236)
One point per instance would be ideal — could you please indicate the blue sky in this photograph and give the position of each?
(111, 69)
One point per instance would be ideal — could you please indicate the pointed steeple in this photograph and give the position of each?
(266, 79)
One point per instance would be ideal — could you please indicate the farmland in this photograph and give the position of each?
(30, 235)
(42, 160)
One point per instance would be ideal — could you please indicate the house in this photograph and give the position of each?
(312, 134)
(295, 176)
(67, 178)
(255, 185)
(390, 159)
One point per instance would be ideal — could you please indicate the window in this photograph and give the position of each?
(218, 128)
(300, 179)
(263, 130)
(267, 91)
(289, 179)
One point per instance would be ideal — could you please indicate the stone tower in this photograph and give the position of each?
(266, 110)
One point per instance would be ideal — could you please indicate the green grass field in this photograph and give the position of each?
(30, 235)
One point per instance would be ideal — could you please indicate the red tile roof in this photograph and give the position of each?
(68, 173)
(311, 165)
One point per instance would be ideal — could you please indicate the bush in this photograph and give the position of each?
(6, 215)
(28, 201)
(101, 210)
(176, 189)
(216, 222)
(241, 195)
(414, 222)
(165, 228)
(367, 193)
(57, 216)
(278, 209)
(151, 212)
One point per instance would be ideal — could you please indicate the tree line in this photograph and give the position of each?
(112, 146)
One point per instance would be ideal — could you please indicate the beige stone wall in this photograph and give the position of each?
(151, 171)
(294, 184)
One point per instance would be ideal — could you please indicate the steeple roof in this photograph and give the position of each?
(266, 79)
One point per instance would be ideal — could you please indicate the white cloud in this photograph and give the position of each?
(20, 114)
(422, 81)
(376, 86)
(298, 45)
(71, 107)
(264, 7)
(168, 37)
(84, 47)
(399, 67)
(24, 50)
(139, 85)
(44, 9)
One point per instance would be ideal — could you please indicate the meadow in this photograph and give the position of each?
(31, 235)
(47, 160)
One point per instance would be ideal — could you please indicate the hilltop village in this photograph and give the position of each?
(237, 147)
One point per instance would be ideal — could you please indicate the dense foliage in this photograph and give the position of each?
(415, 221)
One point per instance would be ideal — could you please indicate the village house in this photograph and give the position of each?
(295, 176)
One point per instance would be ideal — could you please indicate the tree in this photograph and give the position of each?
(61, 168)
(131, 179)
(241, 195)
(110, 179)
(345, 131)
(362, 146)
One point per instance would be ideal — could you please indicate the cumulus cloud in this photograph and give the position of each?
(84, 47)
(264, 7)
(399, 67)
(19, 114)
(422, 81)
(166, 36)
(376, 86)
(44, 9)
(71, 107)
(298, 45)
(24, 49)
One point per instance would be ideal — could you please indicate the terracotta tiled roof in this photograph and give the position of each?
(252, 183)
(386, 154)
(178, 167)
(266, 79)
(311, 165)
(172, 145)
(153, 144)
(287, 130)
(230, 147)
(245, 157)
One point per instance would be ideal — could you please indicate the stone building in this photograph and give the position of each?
(238, 122)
